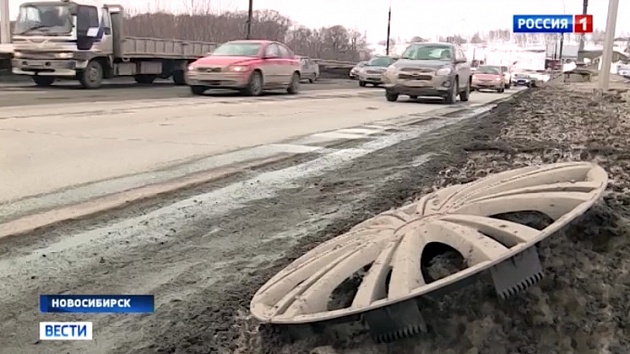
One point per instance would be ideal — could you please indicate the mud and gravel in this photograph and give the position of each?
(204, 266)
(582, 305)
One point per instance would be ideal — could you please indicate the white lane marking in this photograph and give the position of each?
(295, 148)
(359, 131)
(335, 135)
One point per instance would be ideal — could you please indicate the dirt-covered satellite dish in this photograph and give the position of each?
(390, 249)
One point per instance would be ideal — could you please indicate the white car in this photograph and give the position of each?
(507, 75)
(310, 69)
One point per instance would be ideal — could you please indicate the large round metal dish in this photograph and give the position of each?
(391, 244)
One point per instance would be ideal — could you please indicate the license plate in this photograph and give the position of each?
(415, 83)
(36, 63)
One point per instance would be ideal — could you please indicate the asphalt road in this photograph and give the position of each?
(24, 94)
(50, 149)
(204, 251)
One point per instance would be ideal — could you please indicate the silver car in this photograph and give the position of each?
(429, 69)
(372, 72)
(354, 72)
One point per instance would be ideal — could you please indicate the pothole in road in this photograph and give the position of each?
(380, 266)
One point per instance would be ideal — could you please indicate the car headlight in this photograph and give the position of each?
(443, 71)
(63, 55)
(191, 67)
(238, 68)
(497, 79)
(18, 55)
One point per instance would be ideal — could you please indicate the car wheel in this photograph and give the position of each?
(414, 97)
(255, 84)
(198, 90)
(310, 81)
(501, 90)
(451, 97)
(294, 86)
(391, 96)
(361, 83)
(464, 96)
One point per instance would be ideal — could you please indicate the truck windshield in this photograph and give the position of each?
(48, 18)
(236, 49)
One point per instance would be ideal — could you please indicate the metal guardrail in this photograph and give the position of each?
(337, 63)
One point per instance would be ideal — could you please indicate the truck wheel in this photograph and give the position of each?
(255, 84)
(294, 86)
(198, 90)
(43, 81)
(92, 76)
(145, 79)
(179, 77)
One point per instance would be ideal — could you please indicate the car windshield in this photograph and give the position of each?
(493, 70)
(52, 19)
(238, 49)
(428, 52)
(380, 61)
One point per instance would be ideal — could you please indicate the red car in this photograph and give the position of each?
(488, 77)
(249, 66)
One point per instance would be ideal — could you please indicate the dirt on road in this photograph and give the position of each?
(583, 303)
(205, 258)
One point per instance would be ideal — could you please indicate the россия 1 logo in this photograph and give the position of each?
(579, 24)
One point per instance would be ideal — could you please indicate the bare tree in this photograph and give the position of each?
(418, 39)
(199, 22)
(476, 39)
(597, 37)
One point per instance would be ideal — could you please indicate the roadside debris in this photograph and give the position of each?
(580, 304)
(388, 257)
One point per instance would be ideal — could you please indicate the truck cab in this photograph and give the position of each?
(84, 40)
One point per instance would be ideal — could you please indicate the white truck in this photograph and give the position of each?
(84, 40)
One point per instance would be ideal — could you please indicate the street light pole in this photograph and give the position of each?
(389, 28)
(607, 54)
(5, 22)
(250, 15)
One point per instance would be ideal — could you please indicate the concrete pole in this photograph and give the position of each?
(607, 54)
(250, 15)
(5, 22)
(389, 29)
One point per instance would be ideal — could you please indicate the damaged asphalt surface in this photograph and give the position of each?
(204, 265)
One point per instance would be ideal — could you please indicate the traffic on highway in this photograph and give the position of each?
(192, 182)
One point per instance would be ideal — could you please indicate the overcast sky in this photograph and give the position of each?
(426, 18)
